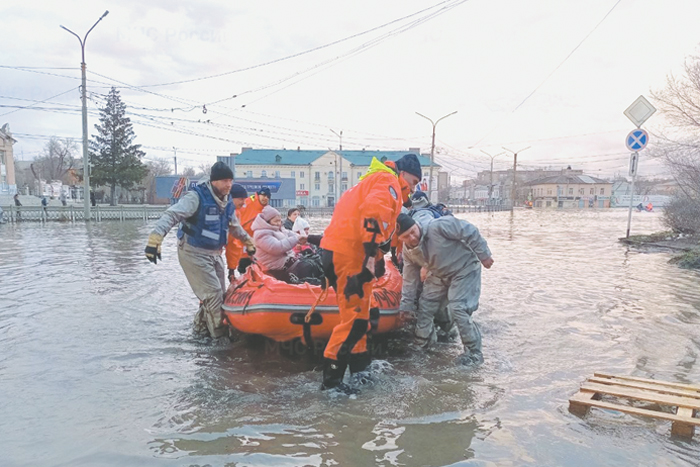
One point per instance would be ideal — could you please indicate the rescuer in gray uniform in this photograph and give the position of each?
(206, 216)
(453, 251)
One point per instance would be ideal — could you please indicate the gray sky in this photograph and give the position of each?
(555, 75)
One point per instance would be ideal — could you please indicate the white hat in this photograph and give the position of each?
(299, 225)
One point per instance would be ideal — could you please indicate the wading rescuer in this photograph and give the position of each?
(453, 251)
(206, 216)
(246, 214)
(364, 218)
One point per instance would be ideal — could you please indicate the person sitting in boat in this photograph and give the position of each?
(275, 244)
(301, 227)
(292, 216)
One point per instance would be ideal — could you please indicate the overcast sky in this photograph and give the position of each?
(551, 75)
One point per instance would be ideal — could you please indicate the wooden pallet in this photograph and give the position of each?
(684, 398)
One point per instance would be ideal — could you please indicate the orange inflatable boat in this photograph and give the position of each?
(260, 304)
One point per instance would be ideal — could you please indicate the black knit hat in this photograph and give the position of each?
(409, 163)
(220, 171)
(404, 222)
(418, 195)
(238, 191)
(265, 191)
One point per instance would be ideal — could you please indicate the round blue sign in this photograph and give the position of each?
(637, 140)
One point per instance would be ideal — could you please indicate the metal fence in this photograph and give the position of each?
(74, 213)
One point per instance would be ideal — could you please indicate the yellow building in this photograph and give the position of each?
(569, 191)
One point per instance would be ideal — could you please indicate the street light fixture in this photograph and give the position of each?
(86, 163)
(515, 168)
(432, 150)
(340, 170)
(492, 158)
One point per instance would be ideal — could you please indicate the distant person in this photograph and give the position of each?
(63, 199)
(292, 215)
(92, 198)
(44, 203)
(18, 203)
(2, 216)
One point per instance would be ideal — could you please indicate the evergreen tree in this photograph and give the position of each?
(116, 161)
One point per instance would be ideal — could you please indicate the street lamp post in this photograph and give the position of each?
(86, 163)
(492, 158)
(432, 151)
(515, 168)
(340, 174)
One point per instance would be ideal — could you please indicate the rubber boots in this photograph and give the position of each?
(359, 362)
(333, 372)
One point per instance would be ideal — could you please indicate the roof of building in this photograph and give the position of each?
(306, 157)
(564, 179)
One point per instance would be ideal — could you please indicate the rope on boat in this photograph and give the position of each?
(321, 297)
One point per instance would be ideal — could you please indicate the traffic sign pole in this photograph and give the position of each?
(629, 214)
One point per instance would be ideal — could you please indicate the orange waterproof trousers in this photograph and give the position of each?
(350, 335)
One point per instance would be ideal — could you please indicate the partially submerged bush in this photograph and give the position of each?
(689, 260)
(682, 215)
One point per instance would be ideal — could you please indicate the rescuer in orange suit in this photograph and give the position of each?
(364, 218)
(234, 249)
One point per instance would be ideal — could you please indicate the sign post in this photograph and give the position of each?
(638, 112)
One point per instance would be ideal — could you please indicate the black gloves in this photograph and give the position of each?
(315, 239)
(250, 250)
(370, 249)
(243, 264)
(355, 283)
(379, 268)
(231, 275)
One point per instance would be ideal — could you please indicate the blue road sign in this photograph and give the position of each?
(637, 140)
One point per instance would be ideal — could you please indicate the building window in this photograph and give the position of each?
(263, 174)
(303, 201)
(294, 174)
(549, 204)
(277, 174)
(317, 186)
(580, 191)
(602, 191)
(331, 188)
(301, 174)
(344, 186)
(549, 191)
(315, 202)
(317, 176)
(571, 191)
(592, 191)
(345, 175)
(249, 174)
(331, 175)
(276, 203)
(301, 186)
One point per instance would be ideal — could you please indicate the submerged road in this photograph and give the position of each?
(98, 366)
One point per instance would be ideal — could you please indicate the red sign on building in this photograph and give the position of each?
(302, 193)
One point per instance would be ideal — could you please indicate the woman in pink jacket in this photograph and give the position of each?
(274, 244)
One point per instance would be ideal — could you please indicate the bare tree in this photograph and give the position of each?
(203, 169)
(56, 161)
(188, 172)
(679, 145)
(156, 168)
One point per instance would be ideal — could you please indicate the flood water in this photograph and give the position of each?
(98, 366)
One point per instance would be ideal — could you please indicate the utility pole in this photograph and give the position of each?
(340, 175)
(492, 158)
(432, 152)
(86, 161)
(175, 159)
(515, 168)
